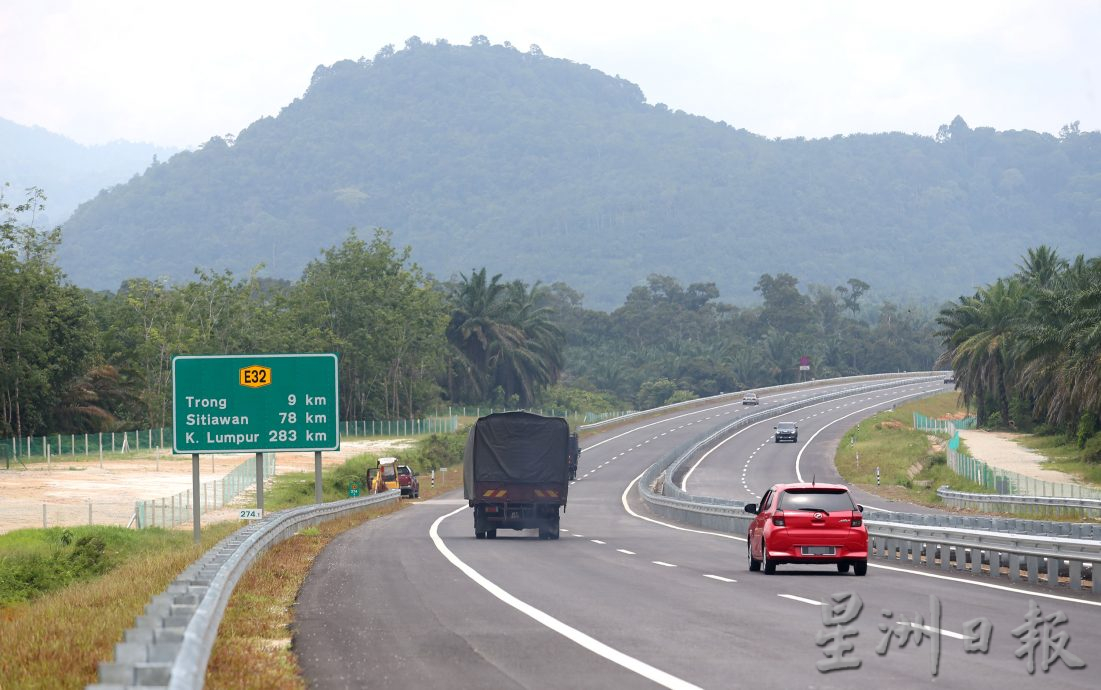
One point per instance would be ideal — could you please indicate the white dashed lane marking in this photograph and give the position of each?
(664, 564)
(629, 553)
(719, 578)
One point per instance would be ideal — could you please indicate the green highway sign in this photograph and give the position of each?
(255, 403)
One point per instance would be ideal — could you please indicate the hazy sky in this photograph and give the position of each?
(176, 73)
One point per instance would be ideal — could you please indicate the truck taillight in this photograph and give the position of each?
(778, 519)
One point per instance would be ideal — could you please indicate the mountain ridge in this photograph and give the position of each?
(545, 169)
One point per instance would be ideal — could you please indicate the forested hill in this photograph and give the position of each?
(549, 170)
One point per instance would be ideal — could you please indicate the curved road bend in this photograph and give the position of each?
(624, 600)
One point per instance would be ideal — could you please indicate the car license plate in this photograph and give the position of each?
(818, 550)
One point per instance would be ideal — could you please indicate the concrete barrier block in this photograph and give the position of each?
(152, 673)
(131, 652)
(113, 672)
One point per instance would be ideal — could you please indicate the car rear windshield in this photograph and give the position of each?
(819, 499)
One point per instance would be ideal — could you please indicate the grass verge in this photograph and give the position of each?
(911, 465)
(1063, 454)
(56, 639)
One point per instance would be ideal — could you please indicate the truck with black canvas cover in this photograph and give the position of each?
(516, 473)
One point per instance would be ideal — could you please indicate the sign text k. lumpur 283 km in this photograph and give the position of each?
(255, 403)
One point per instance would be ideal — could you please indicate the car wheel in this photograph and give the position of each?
(479, 535)
(860, 568)
(491, 534)
(769, 564)
(842, 567)
(754, 564)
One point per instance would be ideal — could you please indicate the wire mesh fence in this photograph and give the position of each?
(1000, 481)
(177, 509)
(23, 513)
(1007, 482)
(572, 415)
(34, 449)
(942, 426)
(400, 427)
(27, 450)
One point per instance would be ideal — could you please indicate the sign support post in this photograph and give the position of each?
(317, 476)
(195, 507)
(260, 482)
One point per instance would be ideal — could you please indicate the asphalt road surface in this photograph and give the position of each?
(626, 600)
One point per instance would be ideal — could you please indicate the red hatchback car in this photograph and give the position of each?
(807, 523)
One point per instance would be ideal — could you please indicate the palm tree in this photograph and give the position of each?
(501, 337)
(980, 334)
(1041, 266)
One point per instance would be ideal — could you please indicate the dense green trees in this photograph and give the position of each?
(668, 342)
(45, 327)
(73, 360)
(1027, 348)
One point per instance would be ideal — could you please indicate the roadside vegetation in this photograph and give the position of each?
(67, 594)
(62, 615)
(1026, 351)
(912, 463)
(1065, 455)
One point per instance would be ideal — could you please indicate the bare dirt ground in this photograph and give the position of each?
(1000, 449)
(69, 486)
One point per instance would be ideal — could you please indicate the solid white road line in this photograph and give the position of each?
(573, 634)
(915, 626)
(802, 599)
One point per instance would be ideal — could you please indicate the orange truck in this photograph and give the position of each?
(516, 470)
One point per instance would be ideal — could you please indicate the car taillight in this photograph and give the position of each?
(778, 519)
(857, 520)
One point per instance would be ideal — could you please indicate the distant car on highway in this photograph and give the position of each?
(407, 481)
(950, 378)
(787, 431)
(807, 523)
(750, 399)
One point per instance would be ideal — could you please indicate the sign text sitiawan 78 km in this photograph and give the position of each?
(255, 403)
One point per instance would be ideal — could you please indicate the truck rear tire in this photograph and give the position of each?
(491, 534)
(479, 535)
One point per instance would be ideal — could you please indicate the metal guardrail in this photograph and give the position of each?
(731, 397)
(1014, 556)
(1035, 505)
(1064, 554)
(170, 645)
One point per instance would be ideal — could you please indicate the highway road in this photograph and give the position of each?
(626, 600)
